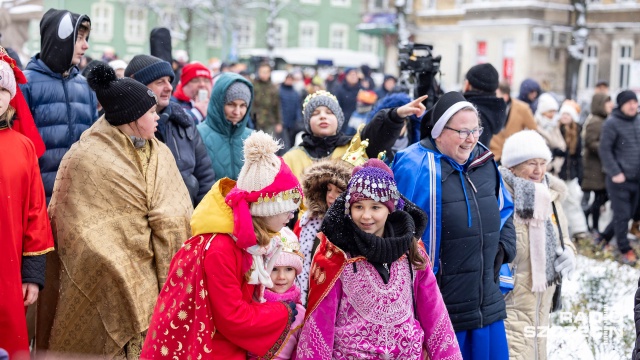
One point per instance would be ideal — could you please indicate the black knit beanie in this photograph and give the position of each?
(625, 96)
(437, 117)
(483, 77)
(123, 100)
(147, 69)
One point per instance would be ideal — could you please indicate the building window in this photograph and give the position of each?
(590, 66)
(368, 43)
(135, 24)
(102, 21)
(341, 3)
(338, 36)
(214, 33)
(625, 58)
(378, 5)
(245, 33)
(310, 2)
(308, 36)
(281, 27)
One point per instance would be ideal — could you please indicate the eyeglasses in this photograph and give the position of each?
(464, 134)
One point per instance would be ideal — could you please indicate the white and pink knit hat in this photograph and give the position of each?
(290, 254)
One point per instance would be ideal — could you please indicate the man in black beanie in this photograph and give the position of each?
(479, 89)
(62, 104)
(175, 127)
(619, 149)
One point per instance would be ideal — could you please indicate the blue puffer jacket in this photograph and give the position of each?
(178, 132)
(62, 107)
(224, 141)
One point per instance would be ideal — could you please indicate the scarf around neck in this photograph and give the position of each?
(291, 295)
(533, 207)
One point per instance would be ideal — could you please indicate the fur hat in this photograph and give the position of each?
(124, 100)
(546, 102)
(625, 96)
(483, 77)
(7, 78)
(290, 254)
(522, 146)
(373, 181)
(321, 98)
(316, 179)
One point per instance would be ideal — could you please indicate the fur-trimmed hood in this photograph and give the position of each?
(317, 177)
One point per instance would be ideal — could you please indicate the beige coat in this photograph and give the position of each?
(550, 131)
(520, 118)
(527, 312)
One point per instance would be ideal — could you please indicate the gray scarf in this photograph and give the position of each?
(529, 212)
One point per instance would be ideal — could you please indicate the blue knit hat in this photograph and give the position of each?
(147, 69)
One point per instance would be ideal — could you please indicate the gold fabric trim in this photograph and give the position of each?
(36, 253)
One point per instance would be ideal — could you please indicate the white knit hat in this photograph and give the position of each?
(569, 109)
(522, 146)
(7, 78)
(261, 169)
(546, 102)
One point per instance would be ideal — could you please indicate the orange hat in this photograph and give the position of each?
(367, 97)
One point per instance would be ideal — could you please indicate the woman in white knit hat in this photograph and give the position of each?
(213, 305)
(544, 253)
(547, 122)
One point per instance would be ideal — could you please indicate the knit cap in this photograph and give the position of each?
(147, 69)
(193, 70)
(447, 106)
(123, 100)
(546, 102)
(483, 77)
(290, 254)
(321, 98)
(571, 110)
(373, 181)
(238, 91)
(522, 146)
(7, 78)
(624, 96)
(367, 97)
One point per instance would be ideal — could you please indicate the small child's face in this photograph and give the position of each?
(282, 277)
(332, 194)
(323, 122)
(276, 222)
(370, 216)
(5, 98)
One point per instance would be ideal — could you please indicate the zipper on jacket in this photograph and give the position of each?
(68, 103)
(475, 201)
(175, 143)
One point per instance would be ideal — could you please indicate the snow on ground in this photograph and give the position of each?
(596, 322)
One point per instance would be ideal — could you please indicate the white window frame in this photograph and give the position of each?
(281, 27)
(622, 61)
(368, 43)
(344, 29)
(214, 32)
(310, 2)
(312, 41)
(590, 65)
(245, 29)
(102, 22)
(340, 3)
(135, 27)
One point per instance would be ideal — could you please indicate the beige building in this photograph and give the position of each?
(529, 38)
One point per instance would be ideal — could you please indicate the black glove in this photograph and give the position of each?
(497, 263)
(294, 312)
(558, 152)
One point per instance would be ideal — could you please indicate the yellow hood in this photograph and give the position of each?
(213, 215)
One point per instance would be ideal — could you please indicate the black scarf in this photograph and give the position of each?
(321, 147)
(400, 229)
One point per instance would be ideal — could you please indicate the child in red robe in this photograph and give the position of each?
(25, 233)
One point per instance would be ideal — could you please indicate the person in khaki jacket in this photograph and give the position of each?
(519, 117)
(540, 258)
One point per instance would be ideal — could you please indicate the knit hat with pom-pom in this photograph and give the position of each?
(123, 100)
(266, 175)
(373, 181)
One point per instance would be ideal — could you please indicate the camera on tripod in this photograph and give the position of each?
(422, 66)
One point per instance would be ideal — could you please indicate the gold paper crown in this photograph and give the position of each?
(290, 246)
(356, 154)
(316, 94)
(292, 194)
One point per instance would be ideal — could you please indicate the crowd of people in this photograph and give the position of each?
(172, 211)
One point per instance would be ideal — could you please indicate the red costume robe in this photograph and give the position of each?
(24, 231)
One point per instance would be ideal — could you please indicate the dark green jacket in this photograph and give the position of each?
(223, 139)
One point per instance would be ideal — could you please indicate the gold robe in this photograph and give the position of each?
(116, 232)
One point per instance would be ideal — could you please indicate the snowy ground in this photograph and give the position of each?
(597, 317)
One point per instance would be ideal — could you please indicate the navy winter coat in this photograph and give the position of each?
(180, 134)
(62, 107)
